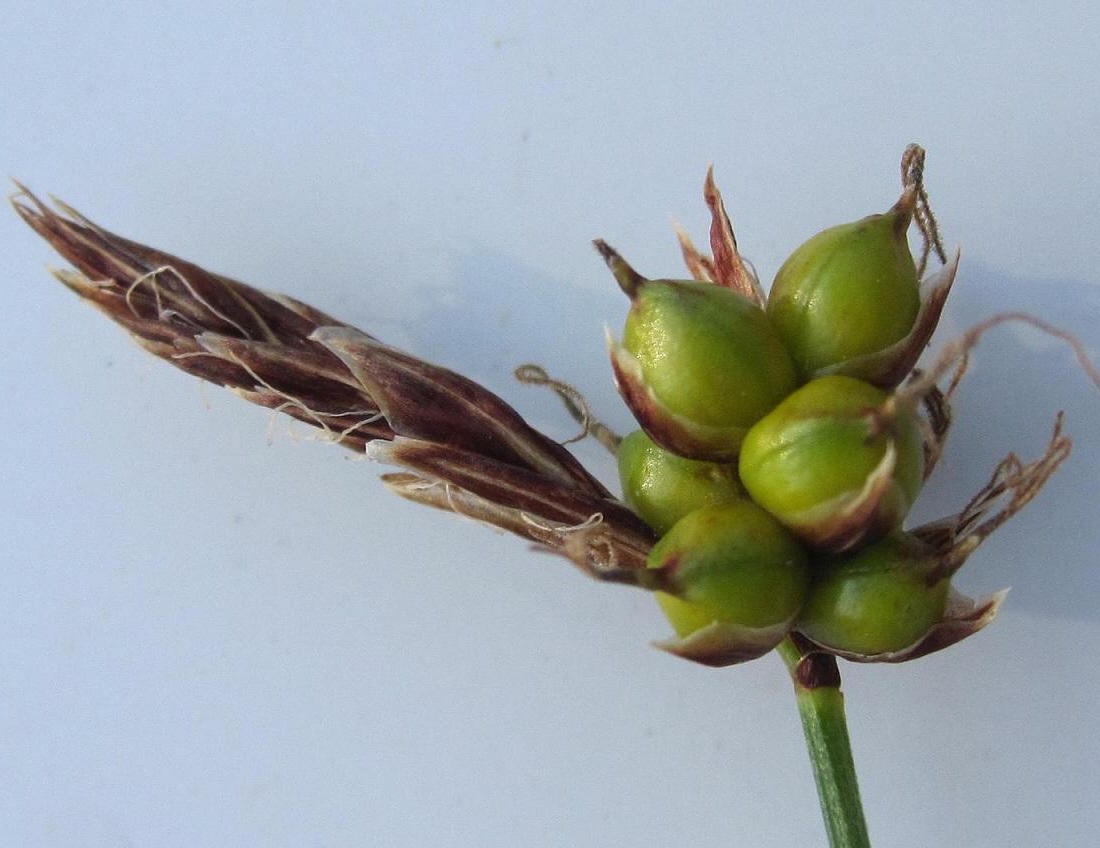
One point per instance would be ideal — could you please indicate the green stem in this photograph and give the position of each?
(821, 705)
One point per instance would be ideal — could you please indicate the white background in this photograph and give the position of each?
(206, 639)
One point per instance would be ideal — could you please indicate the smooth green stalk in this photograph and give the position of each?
(821, 707)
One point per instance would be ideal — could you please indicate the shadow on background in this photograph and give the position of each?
(498, 313)
(1050, 553)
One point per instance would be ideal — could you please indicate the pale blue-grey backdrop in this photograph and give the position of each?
(212, 638)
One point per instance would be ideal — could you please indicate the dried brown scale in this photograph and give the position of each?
(440, 495)
(700, 267)
(310, 386)
(290, 320)
(602, 555)
(729, 269)
(522, 490)
(181, 285)
(937, 423)
(816, 669)
(424, 401)
(710, 647)
(299, 371)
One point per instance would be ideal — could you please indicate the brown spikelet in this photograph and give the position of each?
(458, 438)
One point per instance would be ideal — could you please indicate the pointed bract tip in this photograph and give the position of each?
(628, 279)
(19, 199)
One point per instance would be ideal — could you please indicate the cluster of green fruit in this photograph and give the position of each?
(773, 461)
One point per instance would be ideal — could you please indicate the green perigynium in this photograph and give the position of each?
(698, 365)
(848, 292)
(812, 392)
(834, 464)
(663, 487)
(882, 599)
(732, 564)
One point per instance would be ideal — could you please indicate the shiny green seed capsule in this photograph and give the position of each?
(876, 601)
(699, 365)
(732, 564)
(849, 292)
(663, 487)
(833, 465)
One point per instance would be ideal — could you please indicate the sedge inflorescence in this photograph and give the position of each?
(784, 438)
